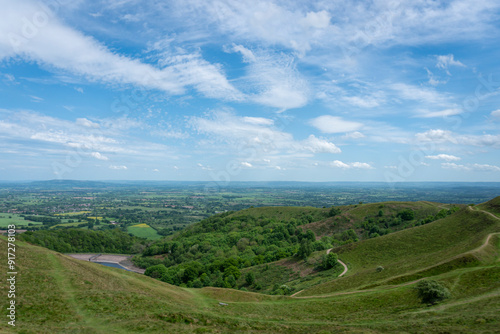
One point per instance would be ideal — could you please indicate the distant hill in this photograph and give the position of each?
(58, 294)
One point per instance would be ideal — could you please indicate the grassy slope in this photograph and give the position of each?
(414, 253)
(56, 294)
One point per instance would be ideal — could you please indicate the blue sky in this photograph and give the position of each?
(250, 90)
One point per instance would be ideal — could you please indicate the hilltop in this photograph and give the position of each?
(57, 294)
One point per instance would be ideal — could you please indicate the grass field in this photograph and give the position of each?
(144, 231)
(58, 294)
(12, 218)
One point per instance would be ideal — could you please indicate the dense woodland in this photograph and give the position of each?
(214, 251)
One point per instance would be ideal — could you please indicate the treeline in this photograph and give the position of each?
(83, 241)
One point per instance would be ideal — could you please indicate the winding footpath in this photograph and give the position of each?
(342, 274)
(342, 263)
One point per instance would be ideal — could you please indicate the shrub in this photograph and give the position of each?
(329, 261)
(250, 278)
(156, 271)
(431, 291)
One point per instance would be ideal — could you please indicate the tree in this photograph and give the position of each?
(156, 271)
(407, 214)
(330, 260)
(197, 284)
(305, 249)
(232, 271)
(333, 212)
(250, 278)
(431, 291)
(310, 235)
(230, 282)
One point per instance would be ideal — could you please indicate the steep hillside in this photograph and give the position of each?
(464, 239)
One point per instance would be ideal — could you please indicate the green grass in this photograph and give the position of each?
(415, 253)
(15, 219)
(58, 294)
(144, 232)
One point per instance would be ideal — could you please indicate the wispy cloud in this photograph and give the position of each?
(446, 157)
(261, 135)
(350, 165)
(334, 124)
(87, 57)
(445, 62)
(445, 136)
(471, 167)
(118, 167)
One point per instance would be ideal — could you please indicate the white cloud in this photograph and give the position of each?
(99, 156)
(247, 54)
(318, 20)
(257, 134)
(496, 113)
(471, 167)
(36, 99)
(79, 89)
(84, 56)
(445, 136)
(421, 94)
(156, 170)
(333, 124)
(87, 123)
(258, 120)
(272, 79)
(353, 135)
(441, 113)
(317, 145)
(444, 62)
(352, 165)
(446, 157)
(118, 167)
(363, 102)
(246, 164)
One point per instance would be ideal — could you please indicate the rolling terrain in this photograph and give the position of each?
(58, 294)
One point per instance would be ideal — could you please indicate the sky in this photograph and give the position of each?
(389, 91)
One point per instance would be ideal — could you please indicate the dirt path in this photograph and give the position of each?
(342, 263)
(342, 274)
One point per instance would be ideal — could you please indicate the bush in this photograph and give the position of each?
(431, 291)
(156, 271)
(250, 278)
(329, 261)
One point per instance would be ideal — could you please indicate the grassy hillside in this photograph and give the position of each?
(492, 206)
(447, 244)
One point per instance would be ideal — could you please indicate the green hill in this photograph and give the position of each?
(200, 254)
(447, 244)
